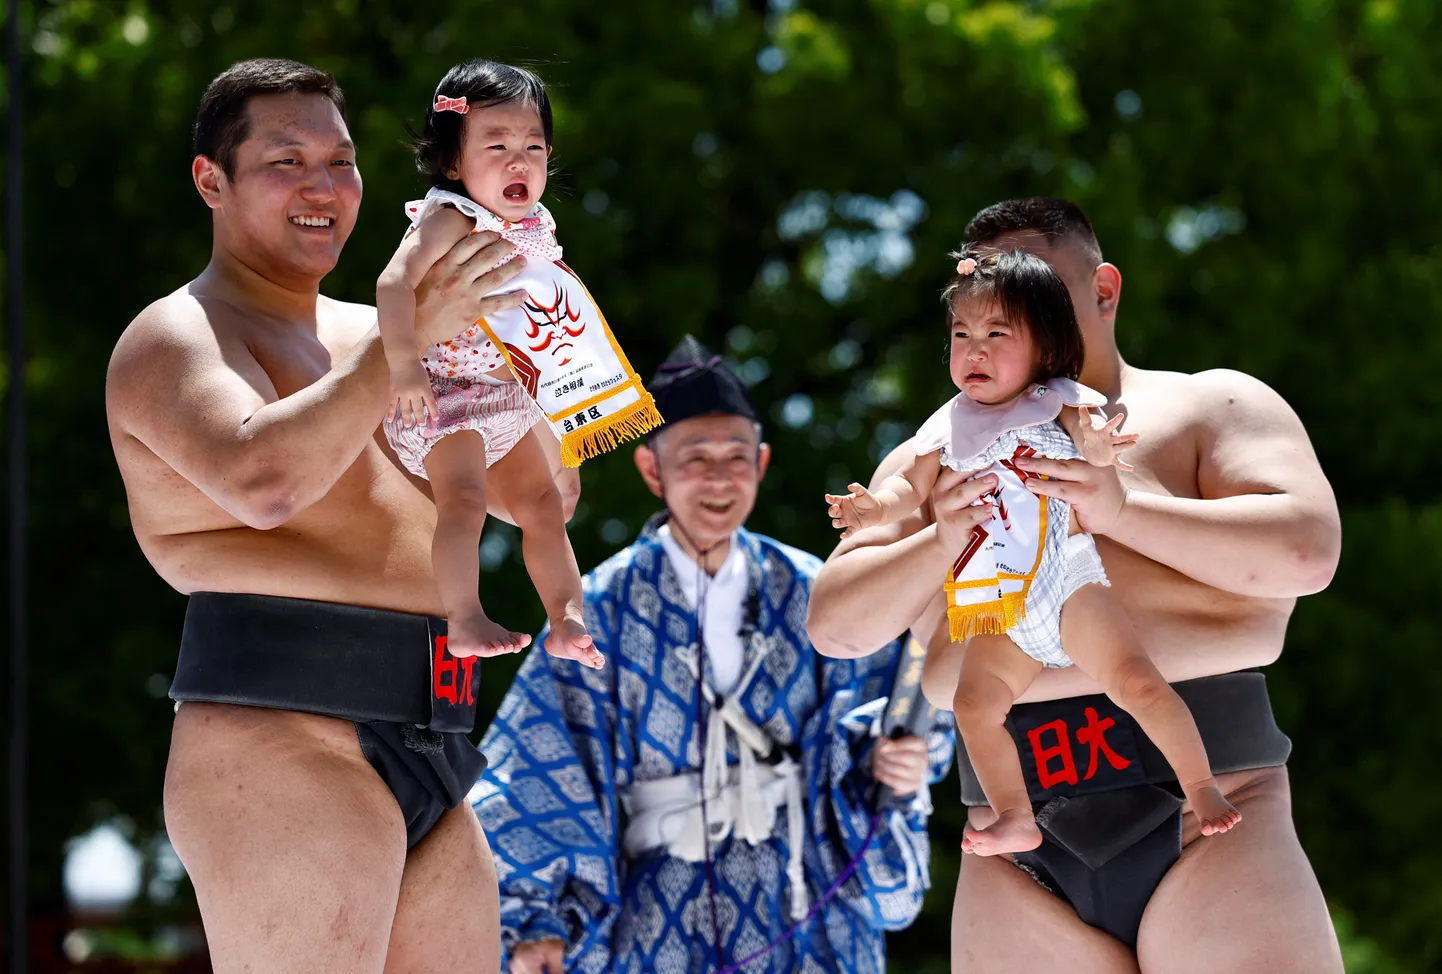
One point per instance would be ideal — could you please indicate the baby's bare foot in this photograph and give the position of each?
(570, 640)
(1014, 830)
(1212, 809)
(477, 635)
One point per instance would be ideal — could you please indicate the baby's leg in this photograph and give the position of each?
(522, 479)
(941, 671)
(567, 479)
(994, 672)
(456, 467)
(1098, 636)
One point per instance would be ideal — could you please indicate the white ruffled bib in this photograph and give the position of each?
(964, 429)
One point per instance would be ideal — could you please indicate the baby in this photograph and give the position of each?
(458, 416)
(1029, 590)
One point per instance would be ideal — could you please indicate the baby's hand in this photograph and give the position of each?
(854, 511)
(1100, 443)
(412, 401)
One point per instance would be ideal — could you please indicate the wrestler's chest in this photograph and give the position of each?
(294, 361)
(1164, 461)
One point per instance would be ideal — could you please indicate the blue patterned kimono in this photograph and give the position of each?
(568, 741)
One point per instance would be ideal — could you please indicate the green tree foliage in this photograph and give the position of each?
(784, 180)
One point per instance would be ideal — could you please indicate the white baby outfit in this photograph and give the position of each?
(981, 439)
(467, 397)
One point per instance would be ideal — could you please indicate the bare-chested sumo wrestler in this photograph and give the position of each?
(318, 762)
(1225, 520)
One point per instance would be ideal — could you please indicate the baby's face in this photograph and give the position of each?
(503, 158)
(992, 360)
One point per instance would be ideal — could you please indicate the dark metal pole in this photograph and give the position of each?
(19, 922)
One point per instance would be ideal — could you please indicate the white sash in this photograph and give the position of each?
(558, 343)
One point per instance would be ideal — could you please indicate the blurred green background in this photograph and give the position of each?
(783, 179)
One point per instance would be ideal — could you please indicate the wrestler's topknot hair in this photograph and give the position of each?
(1046, 215)
(222, 124)
(1030, 294)
(481, 83)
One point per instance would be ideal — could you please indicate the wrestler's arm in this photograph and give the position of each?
(1266, 523)
(198, 399)
(880, 580)
(193, 393)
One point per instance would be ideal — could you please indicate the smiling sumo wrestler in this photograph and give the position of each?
(318, 759)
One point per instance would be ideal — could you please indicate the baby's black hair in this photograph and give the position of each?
(481, 83)
(1031, 295)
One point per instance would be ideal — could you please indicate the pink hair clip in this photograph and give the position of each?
(966, 266)
(458, 105)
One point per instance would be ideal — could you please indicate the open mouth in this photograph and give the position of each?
(516, 193)
(323, 222)
(716, 507)
(977, 377)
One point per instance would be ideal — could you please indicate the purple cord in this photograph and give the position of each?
(816, 909)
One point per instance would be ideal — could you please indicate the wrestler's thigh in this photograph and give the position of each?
(1246, 901)
(1002, 922)
(294, 845)
(448, 917)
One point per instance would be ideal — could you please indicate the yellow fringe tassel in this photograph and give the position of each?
(596, 438)
(986, 618)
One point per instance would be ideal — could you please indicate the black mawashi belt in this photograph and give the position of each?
(324, 658)
(1097, 777)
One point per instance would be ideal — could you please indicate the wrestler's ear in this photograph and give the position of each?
(209, 178)
(649, 466)
(1107, 284)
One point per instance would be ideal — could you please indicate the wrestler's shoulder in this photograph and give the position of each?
(1206, 388)
(179, 322)
(350, 315)
(186, 317)
(180, 309)
(1219, 401)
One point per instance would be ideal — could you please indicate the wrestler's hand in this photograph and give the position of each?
(959, 504)
(1096, 494)
(900, 764)
(539, 957)
(458, 287)
(854, 511)
(1099, 442)
(412, 401)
